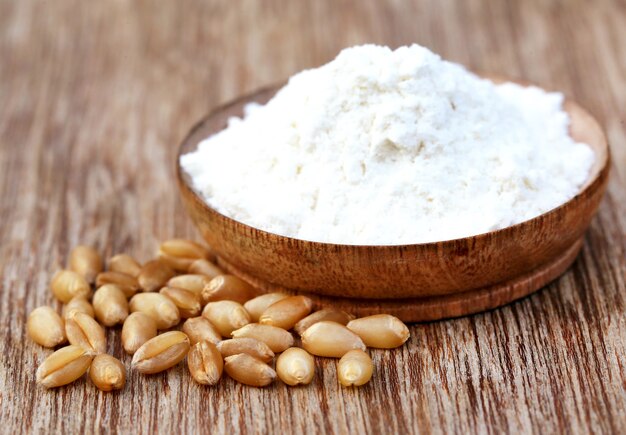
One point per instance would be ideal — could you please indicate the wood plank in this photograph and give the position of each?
(96, 96)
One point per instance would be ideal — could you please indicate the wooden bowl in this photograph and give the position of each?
(417, 282)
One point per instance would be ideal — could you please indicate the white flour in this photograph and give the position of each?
(391, 147)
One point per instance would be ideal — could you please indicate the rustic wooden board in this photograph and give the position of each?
(96, 96)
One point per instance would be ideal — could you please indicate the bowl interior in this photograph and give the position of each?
(423, 270)
(583, 128)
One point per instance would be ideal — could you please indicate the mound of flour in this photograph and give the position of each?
(391, 147)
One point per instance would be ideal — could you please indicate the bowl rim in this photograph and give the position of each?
(597, 177)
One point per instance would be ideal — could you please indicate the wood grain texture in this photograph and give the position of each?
(95, 97)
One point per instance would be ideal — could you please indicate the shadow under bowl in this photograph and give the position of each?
(417, 282)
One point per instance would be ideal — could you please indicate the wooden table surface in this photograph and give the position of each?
(95, 98)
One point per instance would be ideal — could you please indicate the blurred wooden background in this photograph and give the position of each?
(96, 96)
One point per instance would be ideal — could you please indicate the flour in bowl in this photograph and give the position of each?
(390, 147)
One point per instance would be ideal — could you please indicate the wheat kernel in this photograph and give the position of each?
(127, 283)
(179, 264)
(179, 254)
(200, 329)
(78, 304)
(138, 328)
(259, 304)
(110, 305)
(64, 366)
(125, 264)
(205, 267)
(186, 249)
(248, 370)
(161, 352)
(251, 346)
(295, 366)
(355, 368)
(330, 339)
(226, 316)
(286, 312)
(228, 288)
(160, 308)
(189, 304)
(67, 284)
(83, 330)
(276, 338)
(381, 330)
(85, 261)
(329, 314)
(191, 282)
(107, 373)
(154, 275)
(205, 363)
(46, 327)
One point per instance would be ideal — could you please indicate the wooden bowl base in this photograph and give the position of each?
(436, 307)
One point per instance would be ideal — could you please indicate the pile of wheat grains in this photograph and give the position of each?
(227, 325)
